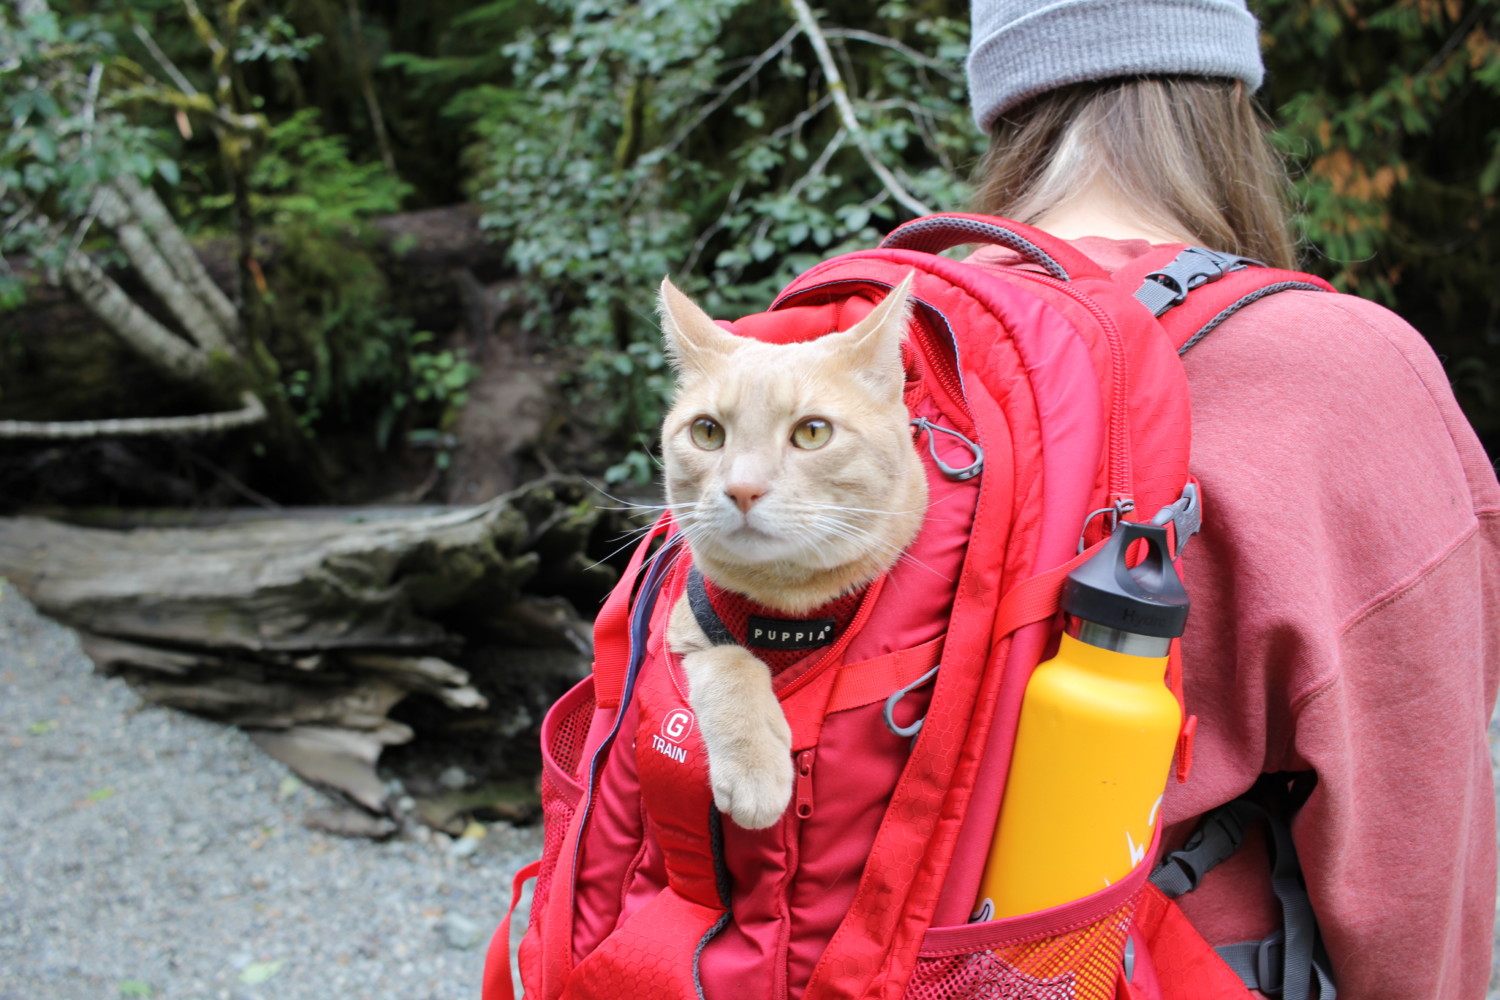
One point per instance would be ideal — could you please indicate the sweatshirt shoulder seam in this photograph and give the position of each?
(1387, 598)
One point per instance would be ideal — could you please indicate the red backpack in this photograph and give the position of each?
(1048, 402)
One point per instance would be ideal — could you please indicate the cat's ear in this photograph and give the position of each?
(692, 338)
(874, 343)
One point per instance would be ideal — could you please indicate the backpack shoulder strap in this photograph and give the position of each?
(1289, 963)
(1191, 290)
(612, 635)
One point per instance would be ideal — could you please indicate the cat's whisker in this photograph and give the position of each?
(630, 538)
(883, 512)
(911, 560)
(627, 504)
(634, 535)
(822, 528)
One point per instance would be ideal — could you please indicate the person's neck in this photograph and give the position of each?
(1101, 214)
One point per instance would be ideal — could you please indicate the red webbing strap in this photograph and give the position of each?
(1039, 597)
(612, 626)
(870, 681)
(874, 948)
(497, 983)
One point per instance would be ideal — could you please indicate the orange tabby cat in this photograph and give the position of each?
(790, 470)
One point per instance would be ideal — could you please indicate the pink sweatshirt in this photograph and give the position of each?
(1346, 620)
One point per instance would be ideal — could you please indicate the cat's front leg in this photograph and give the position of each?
(746, 734)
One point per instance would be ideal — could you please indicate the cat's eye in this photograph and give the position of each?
(812, 434)
(707, 434)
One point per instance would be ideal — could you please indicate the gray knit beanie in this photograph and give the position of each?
(1021, 48)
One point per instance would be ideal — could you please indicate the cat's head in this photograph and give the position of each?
(790, 467)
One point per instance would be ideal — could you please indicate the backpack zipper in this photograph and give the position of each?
(943, 368)
(804, 797)
(1119, 472)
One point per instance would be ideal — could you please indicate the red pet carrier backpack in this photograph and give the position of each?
(1047, 401)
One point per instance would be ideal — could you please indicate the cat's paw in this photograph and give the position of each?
(745, 734)
(753, 782)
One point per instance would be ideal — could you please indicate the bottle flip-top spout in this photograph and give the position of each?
(1137, 609)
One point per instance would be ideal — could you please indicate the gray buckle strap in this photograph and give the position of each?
(1289, 964)
(1258, 963)
(1261, 965)
(1195, 266)
(1218, 836)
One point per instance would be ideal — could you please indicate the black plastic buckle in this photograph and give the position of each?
(1193, 267)
(1270, 964)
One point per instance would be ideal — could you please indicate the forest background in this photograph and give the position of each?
(599, 145)
(315, 254)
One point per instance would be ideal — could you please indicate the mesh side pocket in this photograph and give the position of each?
(1080, 963)
(563, 734)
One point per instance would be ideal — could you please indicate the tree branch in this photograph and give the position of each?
(367, 87)
(132, 324)
(157, 271)
(733, 86)
(840, 93)
(167, 235)
(252, 411)
(170, 68)
(920, 58)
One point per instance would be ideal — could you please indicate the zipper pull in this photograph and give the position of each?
(922, 424)
(804, 784)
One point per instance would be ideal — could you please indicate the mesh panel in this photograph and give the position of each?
(1080, 964)
(568, 737)
(559, 802)
(557, 813)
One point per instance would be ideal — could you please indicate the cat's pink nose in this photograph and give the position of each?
(745, 495)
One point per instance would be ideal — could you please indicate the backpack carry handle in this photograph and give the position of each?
(936, 233)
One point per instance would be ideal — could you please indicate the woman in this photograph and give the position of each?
(1346, 584)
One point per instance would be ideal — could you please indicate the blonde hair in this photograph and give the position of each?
(1190, 154)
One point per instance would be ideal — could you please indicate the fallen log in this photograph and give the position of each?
(328, 635)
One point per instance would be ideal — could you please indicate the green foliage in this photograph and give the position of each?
(468, 52)
(1389, 111)
(701, 140)
(306, 180)
(440, 376)
(328, 297)
(67, 134)
(438, 381)
(274, 41)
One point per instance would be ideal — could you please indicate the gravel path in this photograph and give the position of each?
(148, 853)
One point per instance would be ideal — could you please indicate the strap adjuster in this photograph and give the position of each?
(1195, 266)
(1270, 963)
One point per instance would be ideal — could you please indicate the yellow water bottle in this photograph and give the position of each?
(1097, 730)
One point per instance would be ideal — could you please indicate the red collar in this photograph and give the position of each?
(728, 618)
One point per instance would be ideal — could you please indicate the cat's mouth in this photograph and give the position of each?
(747, 539)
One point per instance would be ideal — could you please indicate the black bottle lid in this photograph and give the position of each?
(1146, 599)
